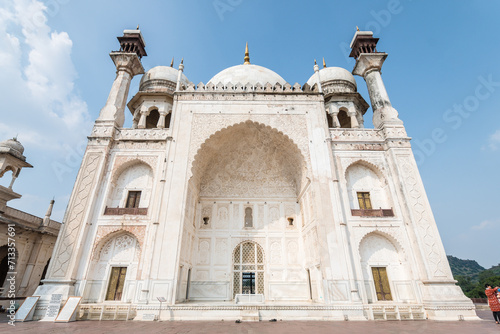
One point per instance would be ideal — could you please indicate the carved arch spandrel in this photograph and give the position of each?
(122, 162)
(375, 165)
(393, 234)
(106, 233)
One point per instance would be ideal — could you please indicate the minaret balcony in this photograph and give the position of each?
(125, 211)
(143, 134)
(372, 212)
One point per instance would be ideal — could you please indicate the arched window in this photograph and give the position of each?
(131, 190)
(167, 120)
(152, 119)
(4, 265)
(248, 268)
(329, 119)
(344, 119)
(9, 172)
(248, 217)
(368, 192)
(44, 272)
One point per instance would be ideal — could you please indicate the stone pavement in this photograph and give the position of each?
(310, 327)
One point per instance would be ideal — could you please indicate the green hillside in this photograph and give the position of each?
(471, 276)
(493, 271)
(468, 268)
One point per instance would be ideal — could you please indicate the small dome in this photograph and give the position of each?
(339, 79)
(245, 74)
(13, 147)
(161, 78)
(13, 144)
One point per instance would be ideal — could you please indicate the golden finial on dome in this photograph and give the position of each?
(357, 28)
(172, 62)
(315, 62)
(324, 64)
(247, 56)
(182, 61)
(137, 27)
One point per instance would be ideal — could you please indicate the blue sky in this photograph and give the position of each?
(442, 75)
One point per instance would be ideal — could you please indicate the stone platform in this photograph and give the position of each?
(486, 326)
(229, 311)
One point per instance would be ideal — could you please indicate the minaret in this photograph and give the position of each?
(46, 219)
(316, 71)
(67, 252)
(128, 64)
(179, 75)
(369, 65)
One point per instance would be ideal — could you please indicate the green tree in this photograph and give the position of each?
(478, 290)
(465, 282)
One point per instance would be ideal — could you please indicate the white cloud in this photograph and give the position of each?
(38, 80)
(40, 103)
(486, 224)
(494, 140)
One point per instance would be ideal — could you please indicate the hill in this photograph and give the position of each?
(468, 268)
(493, 271)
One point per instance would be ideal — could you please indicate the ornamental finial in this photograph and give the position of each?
(172, 62)
(324, 64)
(357, 28)
(247, 56)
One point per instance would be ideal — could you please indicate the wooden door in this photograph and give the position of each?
(116, 283)
(381, 283)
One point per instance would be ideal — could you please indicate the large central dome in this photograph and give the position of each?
(247, 73)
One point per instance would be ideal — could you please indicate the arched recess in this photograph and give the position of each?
(247, 176)
(344, 119)
(363, 177)
(329, 120)
(168, 119)
(4, 266)
(113, 271)
(248, 269)
(152, 119)
(44, 272)
(6, 181)
(131, 186)
(249, 160)
(7, 169)
(386, 272)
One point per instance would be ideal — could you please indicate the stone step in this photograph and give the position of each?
(249, 315)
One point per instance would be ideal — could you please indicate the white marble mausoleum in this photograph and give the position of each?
(250, 198)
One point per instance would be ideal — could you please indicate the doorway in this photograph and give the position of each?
(381, 281)
(248, 269)
(116, 283)
(248, 283)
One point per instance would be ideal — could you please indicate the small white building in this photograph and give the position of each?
(26, 241)
(249, 197)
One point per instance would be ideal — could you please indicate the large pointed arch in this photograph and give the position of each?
(235, 158)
